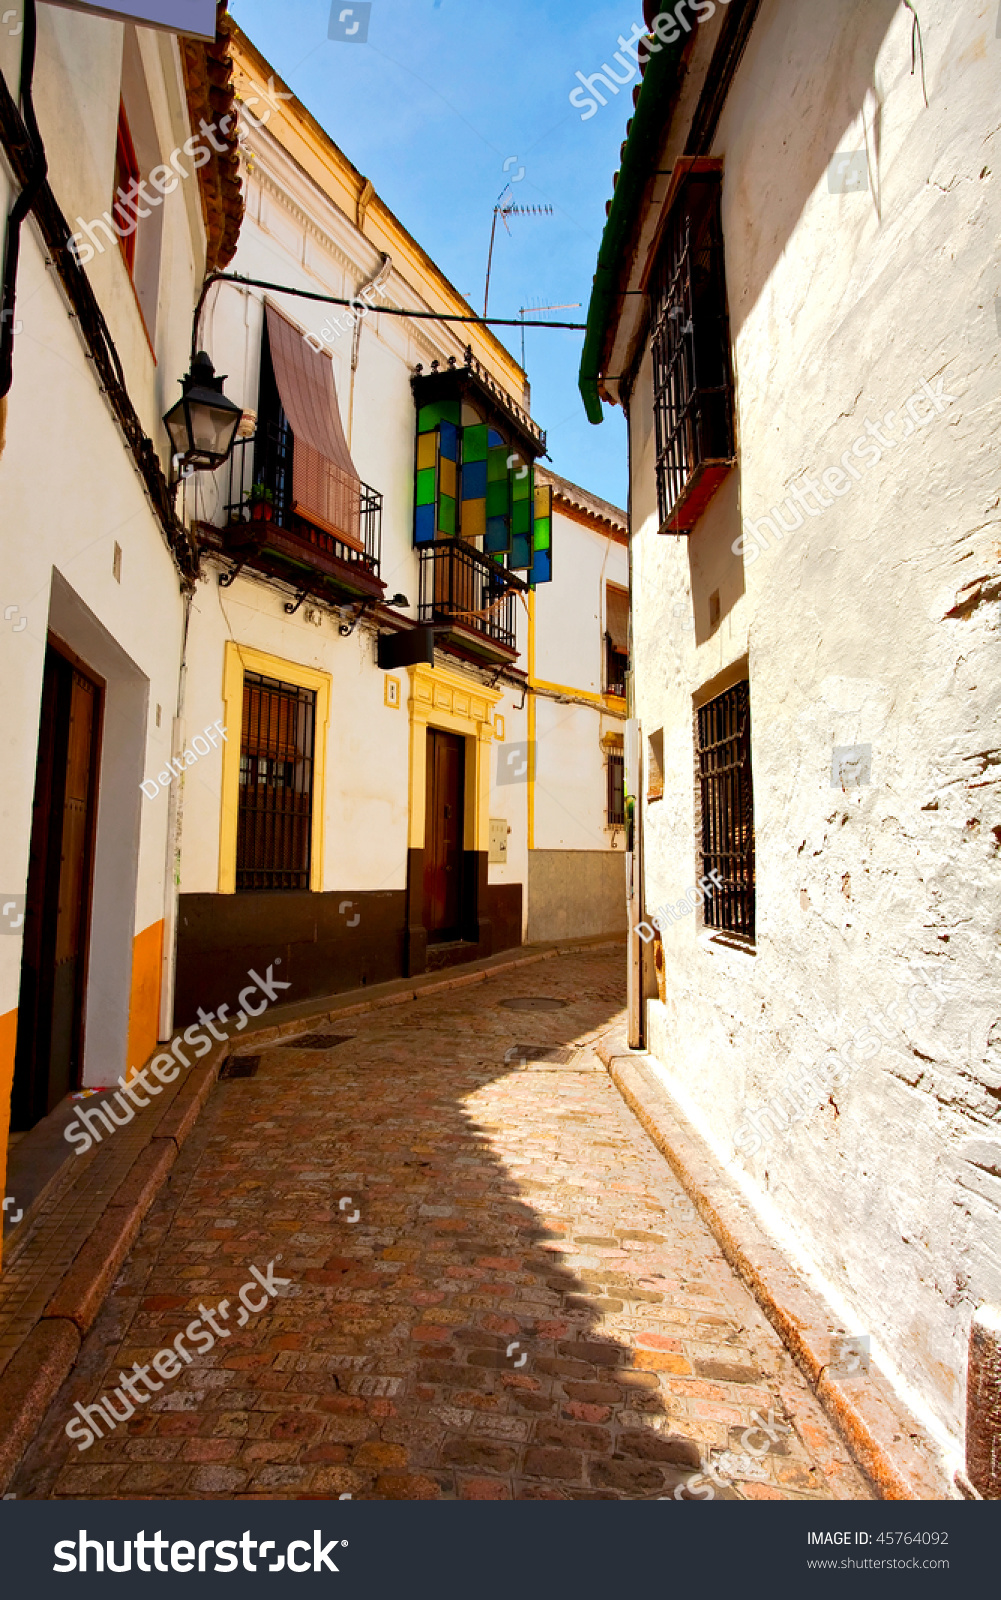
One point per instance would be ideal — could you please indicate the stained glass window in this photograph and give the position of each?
(437, 488)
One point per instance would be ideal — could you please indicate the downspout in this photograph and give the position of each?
(172, 869)
(635, 888)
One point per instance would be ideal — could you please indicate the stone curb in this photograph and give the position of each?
(33, 1378)
(892, 1448)
(37, 1372)
(30, 1384)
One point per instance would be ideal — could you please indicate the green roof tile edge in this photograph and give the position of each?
(640, 151)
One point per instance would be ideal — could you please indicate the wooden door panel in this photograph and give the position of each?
(443, 834)
(57, 914)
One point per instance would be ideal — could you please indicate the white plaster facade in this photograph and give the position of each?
(877, 621)
(313, 223)
(85, 555)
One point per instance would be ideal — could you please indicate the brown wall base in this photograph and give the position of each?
(312, 944)
(221, 936)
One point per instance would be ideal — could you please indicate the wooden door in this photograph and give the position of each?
(57, 911)
(443, 836)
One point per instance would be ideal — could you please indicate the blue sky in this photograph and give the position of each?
(429, 108)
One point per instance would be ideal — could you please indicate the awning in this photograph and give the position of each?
(617, 616)
(326, 489)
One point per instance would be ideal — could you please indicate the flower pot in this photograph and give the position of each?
(260, 511)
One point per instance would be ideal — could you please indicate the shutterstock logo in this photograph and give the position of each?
(72, 1554)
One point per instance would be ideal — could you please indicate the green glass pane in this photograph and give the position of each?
(521, 488)
(425, 487)
(521, 517)
(474, 443)
(429, 416)
(497, 465)
(446, 515)
(497, 499)
(541, 536)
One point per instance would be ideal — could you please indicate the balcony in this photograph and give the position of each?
(470, 600)
(288, 547)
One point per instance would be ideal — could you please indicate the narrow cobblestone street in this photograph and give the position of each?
(497, 1289)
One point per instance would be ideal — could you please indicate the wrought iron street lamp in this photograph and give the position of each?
(203, 423)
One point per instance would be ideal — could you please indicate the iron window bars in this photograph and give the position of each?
(692, 378)
(275, 817)
(727, 809)
(616, 791)
(616, 668)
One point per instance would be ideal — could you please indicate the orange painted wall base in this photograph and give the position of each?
(144, 1004)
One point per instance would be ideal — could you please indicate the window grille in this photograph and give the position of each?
(616, 791)
(275, 820)
(727, 809)
(693, 387)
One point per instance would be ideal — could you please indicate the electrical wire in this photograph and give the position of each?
(34, 179)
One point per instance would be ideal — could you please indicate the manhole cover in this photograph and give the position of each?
(317, 1041)
(534, 1003)
(241, 1067)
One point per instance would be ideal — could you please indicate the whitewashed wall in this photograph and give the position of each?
(877, 622)
(69, 491)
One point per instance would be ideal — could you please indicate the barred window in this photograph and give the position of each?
(275, 821)
(690, 346)
(727, 809)
(616, 791)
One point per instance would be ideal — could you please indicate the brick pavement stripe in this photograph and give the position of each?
(522, 1309)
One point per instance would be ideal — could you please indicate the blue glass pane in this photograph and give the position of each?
(521, 552)
(449, 435)
(497, 535)
(424, 525)
(542, 567)
(495, 439)
(474, 480)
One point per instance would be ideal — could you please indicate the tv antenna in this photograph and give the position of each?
(523, 311)
(506, 208)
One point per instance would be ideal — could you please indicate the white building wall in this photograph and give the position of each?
(877, 623)
(70, 492)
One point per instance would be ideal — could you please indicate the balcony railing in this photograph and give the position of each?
(266, 458)
(459, 585)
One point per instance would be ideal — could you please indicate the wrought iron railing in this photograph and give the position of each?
(459, 585)
(266, 457)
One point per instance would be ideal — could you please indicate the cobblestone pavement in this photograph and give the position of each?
(497, 1288)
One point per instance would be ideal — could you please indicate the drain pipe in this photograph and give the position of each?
(635, 1007)
(172, 867)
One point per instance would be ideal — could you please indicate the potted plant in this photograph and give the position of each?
(261, 502)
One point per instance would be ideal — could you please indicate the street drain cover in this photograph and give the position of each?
(534, 1003)
(523, 1054)
(241, 1067)
(317, 1041)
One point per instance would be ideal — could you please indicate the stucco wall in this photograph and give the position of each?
(575, 894)
(69, 493)
(864, 626)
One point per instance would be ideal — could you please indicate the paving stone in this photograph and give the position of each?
(499, 1210)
